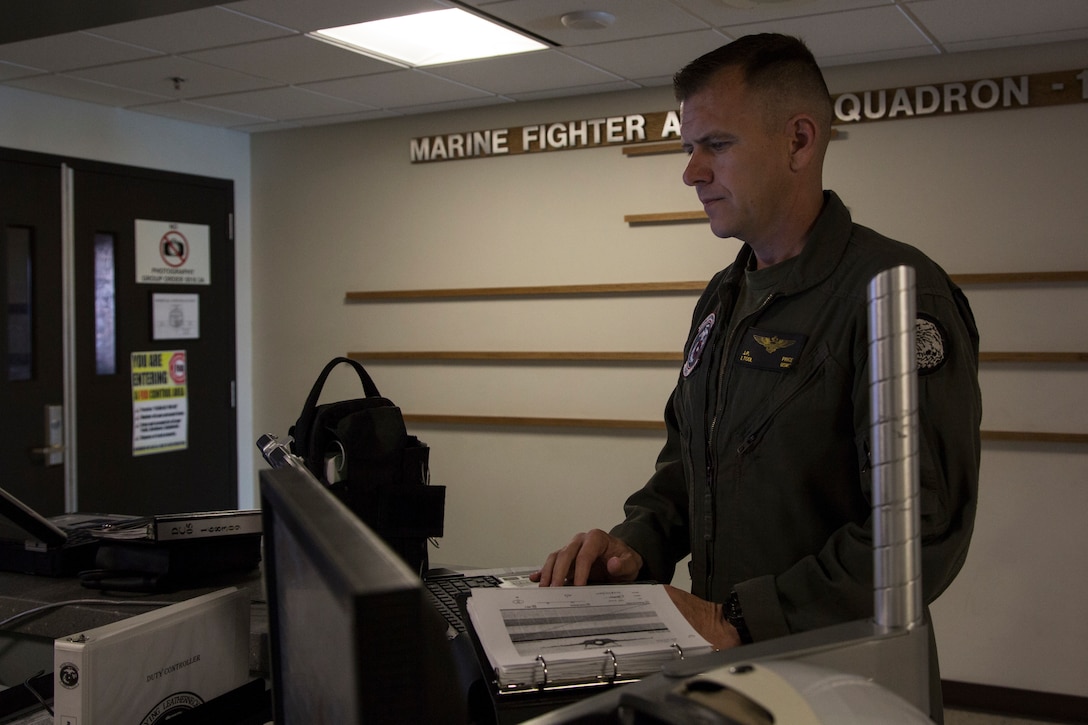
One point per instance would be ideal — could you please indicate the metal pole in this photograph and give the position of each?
(893, 408)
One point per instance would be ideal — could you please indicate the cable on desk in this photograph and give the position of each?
(37, 695)
(55, 605)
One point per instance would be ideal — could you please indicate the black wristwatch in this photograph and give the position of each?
(732, 612)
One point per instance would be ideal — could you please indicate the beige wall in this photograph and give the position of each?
(340, 208)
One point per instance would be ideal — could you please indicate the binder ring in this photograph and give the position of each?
(543, 666)
(615, 666)
(679, 649)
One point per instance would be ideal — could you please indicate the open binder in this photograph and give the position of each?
(541, 639)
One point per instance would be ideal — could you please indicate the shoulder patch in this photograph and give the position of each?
(698, 345)
(929, 344)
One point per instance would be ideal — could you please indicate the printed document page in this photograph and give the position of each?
(537, 637)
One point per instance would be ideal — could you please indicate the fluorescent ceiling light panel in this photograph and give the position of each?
(430, 38)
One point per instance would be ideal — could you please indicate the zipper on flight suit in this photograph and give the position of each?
(757, 432)
(708, 492)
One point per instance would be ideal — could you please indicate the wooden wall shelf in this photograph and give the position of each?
(508, 356)
(652, 149)
(1020, 278)
(1033, 357)
(669, 217)
(647, 357)
(672, 147)
(562, 290)
(659, 288)
(505, 421)
(1034, 437)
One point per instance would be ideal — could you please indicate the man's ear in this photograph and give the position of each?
(805, 141)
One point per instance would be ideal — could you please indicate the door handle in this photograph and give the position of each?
(52, 453)
(47, 451)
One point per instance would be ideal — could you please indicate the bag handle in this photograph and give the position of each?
(369, 387)
(309, 409)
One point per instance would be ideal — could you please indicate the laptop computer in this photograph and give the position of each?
(56, 546)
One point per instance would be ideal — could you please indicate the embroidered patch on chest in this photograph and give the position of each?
(767, 350)
(698, 344)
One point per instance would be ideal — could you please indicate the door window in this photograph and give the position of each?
(18, 253)
(105, 309)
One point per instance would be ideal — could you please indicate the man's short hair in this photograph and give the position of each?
(780, 66)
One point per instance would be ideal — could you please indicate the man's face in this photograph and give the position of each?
(736, 164)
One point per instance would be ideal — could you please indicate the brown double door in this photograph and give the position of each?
(117, 341)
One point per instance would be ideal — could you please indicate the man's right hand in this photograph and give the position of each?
(593, 556)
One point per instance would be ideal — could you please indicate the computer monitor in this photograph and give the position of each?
(353, 638)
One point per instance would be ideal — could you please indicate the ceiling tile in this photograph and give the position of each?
(265, 126)
(193, 113)
(297, 59)
(460, 104)
(397, 89)
(537, 71)
(69, 51)
(847, 34)
(878, 55)
(11, 71)
(84, 90)
(627, 58)
(956, 23)
(634, 19)
(283, 103)
(156, 76)
(738, 12)
(193, 30)
(345, 118)
(576, 91)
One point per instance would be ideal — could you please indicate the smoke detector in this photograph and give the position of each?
(587, 20)
(751, 4)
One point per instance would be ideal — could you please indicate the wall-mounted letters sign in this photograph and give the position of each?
(986, 94)
(591, 133)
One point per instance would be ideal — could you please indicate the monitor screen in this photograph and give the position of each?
(353, 638)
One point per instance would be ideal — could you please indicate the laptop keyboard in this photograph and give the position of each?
(443, 593)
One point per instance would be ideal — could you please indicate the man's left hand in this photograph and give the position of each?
(706, 617)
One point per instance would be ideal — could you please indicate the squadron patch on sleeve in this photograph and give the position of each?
(698, 345)
(929, 344)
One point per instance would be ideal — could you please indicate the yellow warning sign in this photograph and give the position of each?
(160, 402)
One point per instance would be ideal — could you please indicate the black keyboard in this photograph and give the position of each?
(444, 591)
